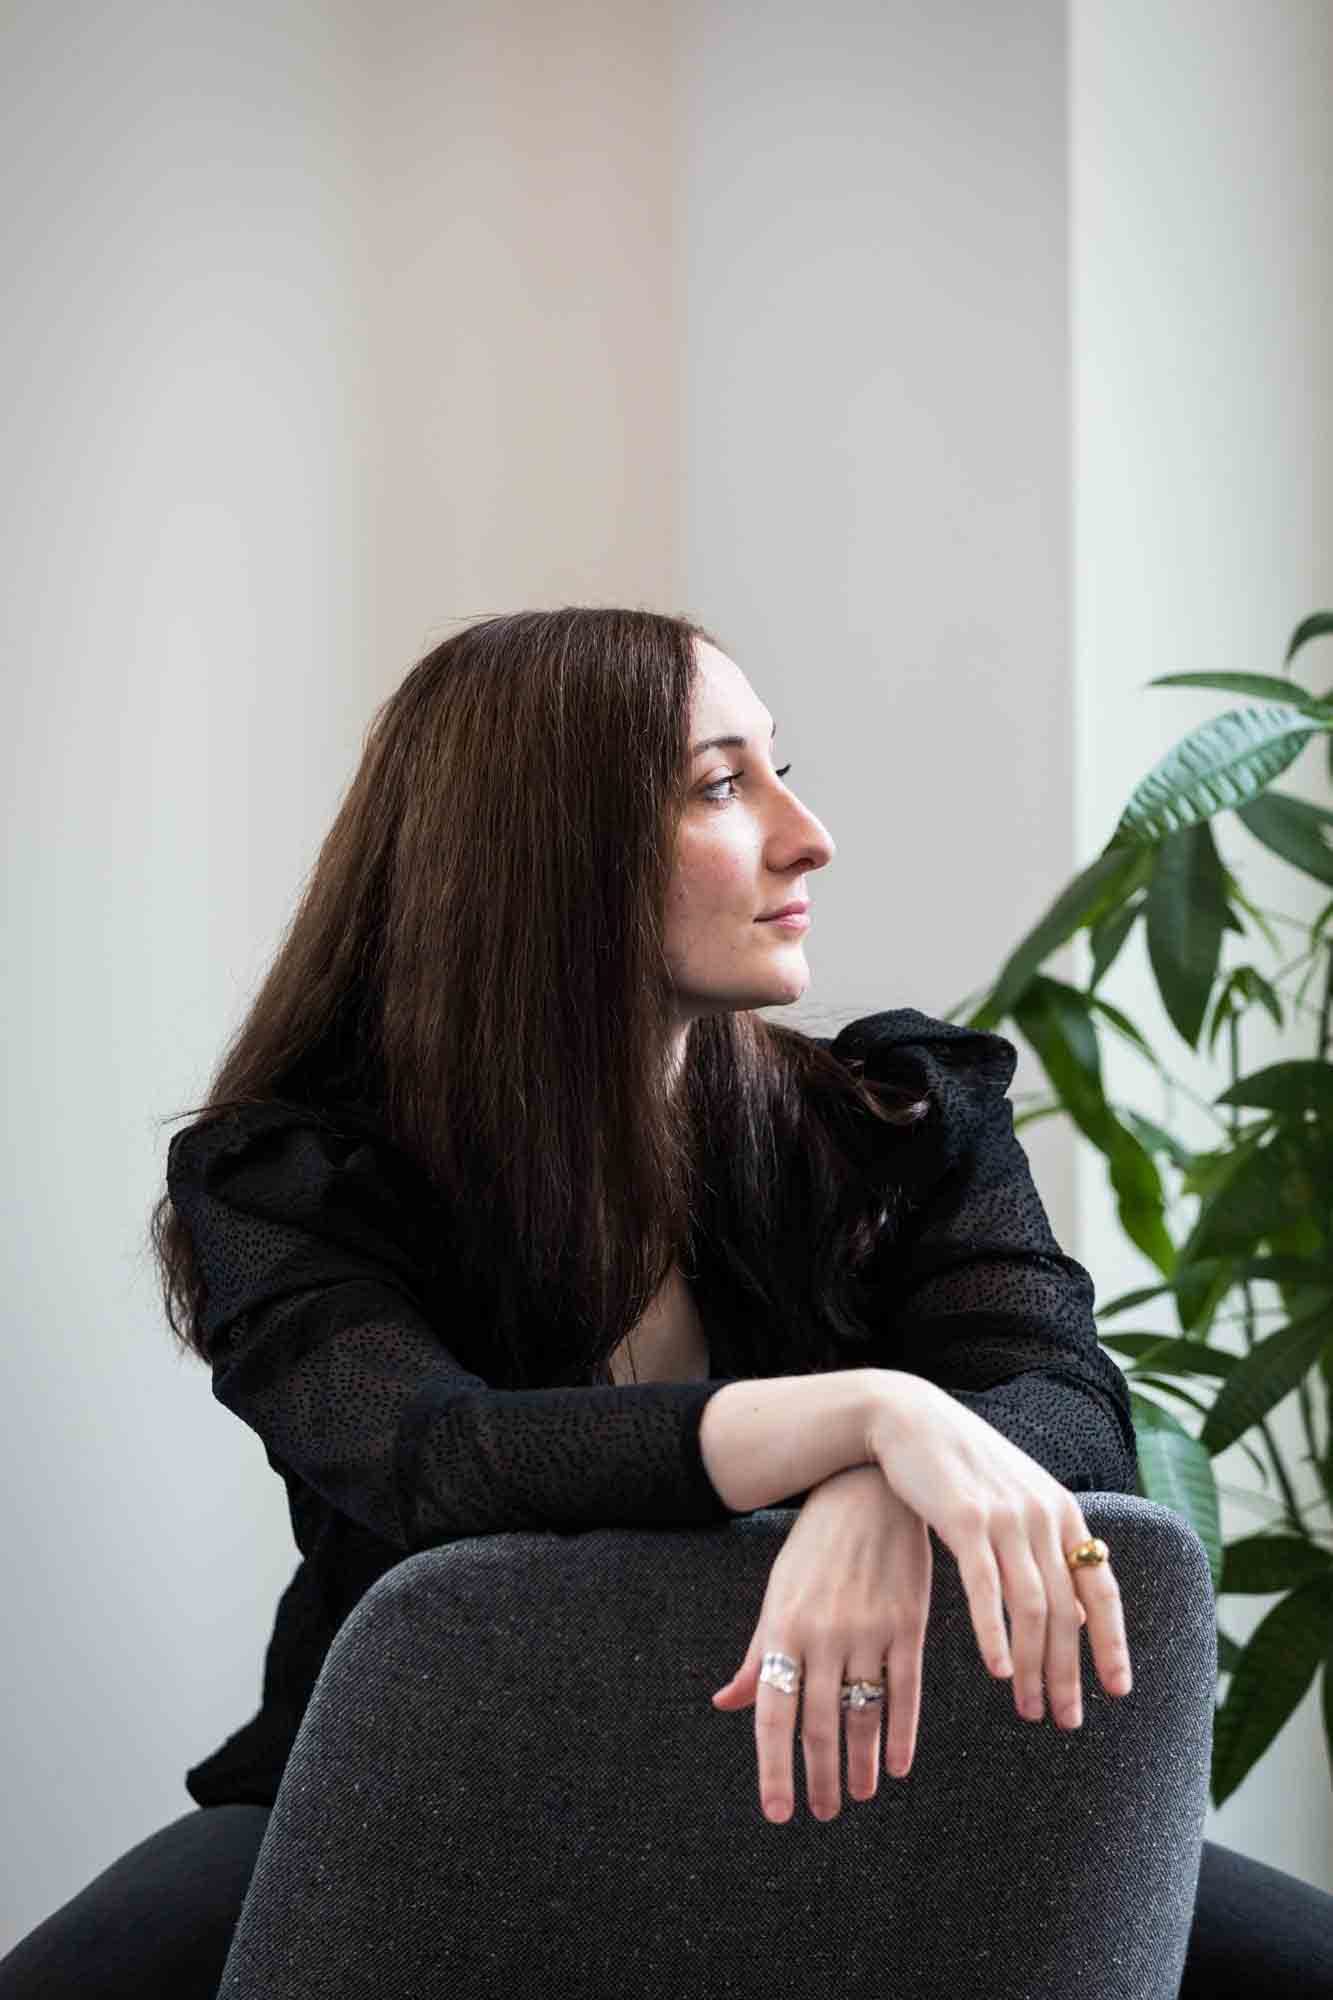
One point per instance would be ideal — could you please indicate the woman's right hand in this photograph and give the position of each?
(1007, 1523)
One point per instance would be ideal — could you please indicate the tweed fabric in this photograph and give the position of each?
(510, 1780)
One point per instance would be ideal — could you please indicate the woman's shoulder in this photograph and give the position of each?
(960, 1071)
(909, 1039)
(234, 1128)
(279, 1150)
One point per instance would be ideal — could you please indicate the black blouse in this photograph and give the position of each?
(338, 1340)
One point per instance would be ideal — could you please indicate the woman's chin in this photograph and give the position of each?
(777, 985)
(786, 982)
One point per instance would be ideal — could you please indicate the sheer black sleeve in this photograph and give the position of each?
(314, 1254)
(974, 1291)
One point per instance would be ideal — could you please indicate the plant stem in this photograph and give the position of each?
(1247, 1314)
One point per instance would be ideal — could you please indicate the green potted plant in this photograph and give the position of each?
(1264, 1190)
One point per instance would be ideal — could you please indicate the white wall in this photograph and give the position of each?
(332, 334)
(185, 684)
(525, 315)
(1202, 199)
(330, 330)
(875, 503)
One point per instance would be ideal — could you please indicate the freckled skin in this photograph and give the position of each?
(753, 851)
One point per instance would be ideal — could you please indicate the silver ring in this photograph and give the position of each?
(781, 1671)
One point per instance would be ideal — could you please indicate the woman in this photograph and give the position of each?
(703, 1245)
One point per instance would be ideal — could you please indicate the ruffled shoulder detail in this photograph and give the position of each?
(331, 1178)
(279, 1141)
(961, 1070)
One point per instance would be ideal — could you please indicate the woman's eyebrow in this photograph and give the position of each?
(728, 742)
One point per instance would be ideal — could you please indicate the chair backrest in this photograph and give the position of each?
(510, 1780)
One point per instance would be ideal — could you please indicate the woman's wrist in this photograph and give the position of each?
(765, 1438)
(894, 1402)
(869, 1478)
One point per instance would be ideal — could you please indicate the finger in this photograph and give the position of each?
(1106, 1626)
(904, 1700)
(862, 1724)
(741, 1689)
(1025, 1594)
(1100, 1609)
(1063, 1664)
(774, 1727)
(821, 1733)
(980, 1576)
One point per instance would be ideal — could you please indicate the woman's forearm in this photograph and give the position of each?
(764, 1440)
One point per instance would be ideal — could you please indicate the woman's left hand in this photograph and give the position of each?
(858, 1556)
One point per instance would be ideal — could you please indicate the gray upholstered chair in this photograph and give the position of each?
(510, 1780)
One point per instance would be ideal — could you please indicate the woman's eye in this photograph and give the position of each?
(732, 778)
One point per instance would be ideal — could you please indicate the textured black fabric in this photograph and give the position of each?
(975, 1292)
(160, 1920)
(341, 1341)
(1256, 1930)
(154, 1925)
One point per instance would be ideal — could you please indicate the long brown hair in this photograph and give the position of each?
(477, 954)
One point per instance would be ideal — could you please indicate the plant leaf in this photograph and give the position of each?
(1228, 1652)
(1274, 1270)
(1290, 1088)
(1098, 888)
(1155, 1139)
(1176, 1472)
(1267, 687)
(1269, 1680)
(1056, 1019)
(1123, 1026)
(1186, 916)
(1107, 936)
(1225, 762)
(1293, 829)
(1318, 623)
(1246, 1199)
(1261, 1378)
(1170, 1389)
(1173, 1353)
(1151, 1351)
(1263, 1563)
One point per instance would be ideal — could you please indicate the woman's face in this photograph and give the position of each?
(745, 845)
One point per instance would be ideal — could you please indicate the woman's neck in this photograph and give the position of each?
(669, 1343)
